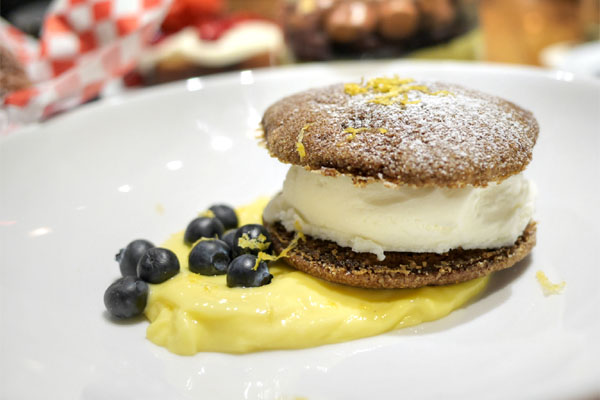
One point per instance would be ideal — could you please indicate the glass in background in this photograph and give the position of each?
(517, 31)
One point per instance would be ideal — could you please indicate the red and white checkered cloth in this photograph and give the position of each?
(84, 44)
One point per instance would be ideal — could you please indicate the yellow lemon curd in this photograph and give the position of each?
(190, 313)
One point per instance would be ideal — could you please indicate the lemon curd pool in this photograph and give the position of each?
(193, 313)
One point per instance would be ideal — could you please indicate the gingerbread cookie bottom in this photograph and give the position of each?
(331, 262)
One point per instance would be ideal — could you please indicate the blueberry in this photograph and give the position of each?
(126, 297)
(203, 227)
(227, 237)
(157, 265)
(254, 238)
(226, 215)
(210, 257)
(241, 272)
(129, 256)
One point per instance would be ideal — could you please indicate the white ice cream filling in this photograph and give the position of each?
(377, 218)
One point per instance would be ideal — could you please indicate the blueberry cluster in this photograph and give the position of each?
(219, 247)
(140, 263)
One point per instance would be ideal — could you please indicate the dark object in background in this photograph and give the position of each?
(333, 29)
(26, 15)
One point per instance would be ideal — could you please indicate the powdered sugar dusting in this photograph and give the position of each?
(465, 137)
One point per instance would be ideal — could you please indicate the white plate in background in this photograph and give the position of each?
(583, 59)
(580, 59)
(77, 188)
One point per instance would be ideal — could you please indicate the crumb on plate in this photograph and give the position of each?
(548, 287)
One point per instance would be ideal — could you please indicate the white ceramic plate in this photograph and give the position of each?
(77, 188)
(580, 59)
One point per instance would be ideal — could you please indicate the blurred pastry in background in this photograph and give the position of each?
(270, 9)
(198, 37)
(398, 19)
(329, 29)
(12, 75)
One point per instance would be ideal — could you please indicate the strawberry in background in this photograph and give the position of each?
(191, 12)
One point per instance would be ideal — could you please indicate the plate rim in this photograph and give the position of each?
(139, 94)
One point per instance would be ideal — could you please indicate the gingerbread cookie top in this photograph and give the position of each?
(402, 131)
